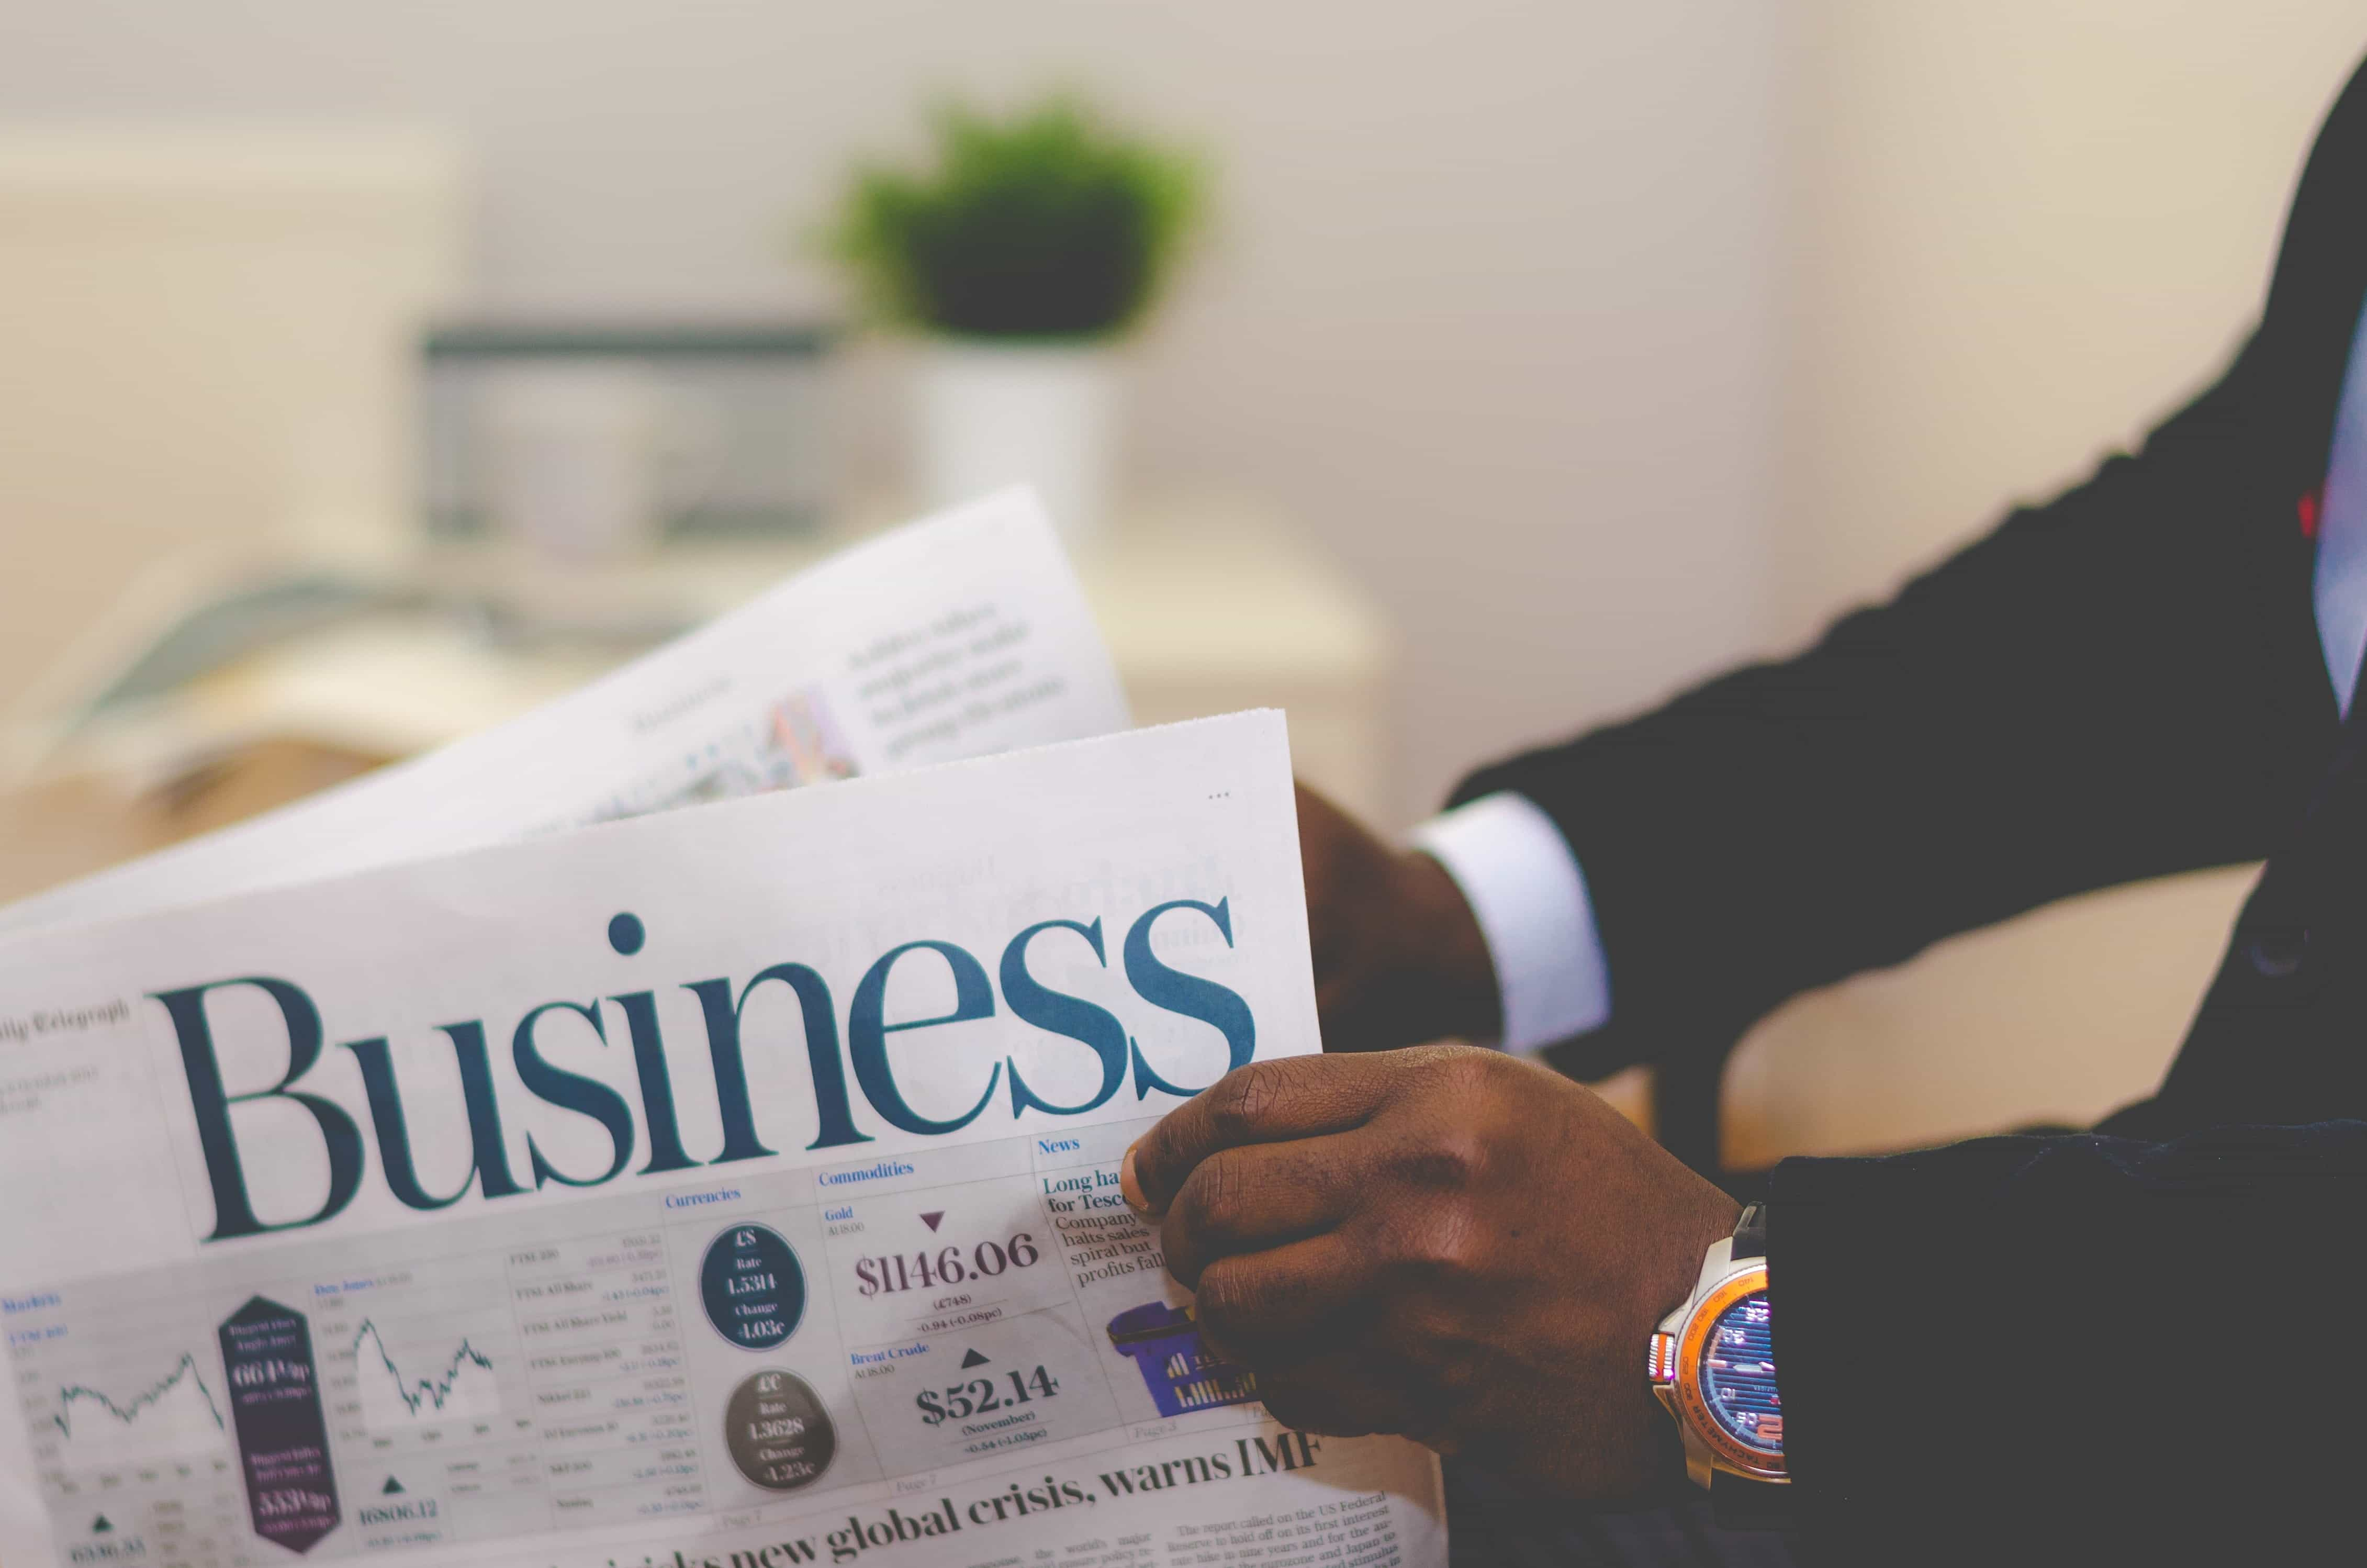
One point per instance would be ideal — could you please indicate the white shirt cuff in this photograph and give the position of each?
(1528, 893)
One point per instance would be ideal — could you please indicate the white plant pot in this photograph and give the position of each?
(989, 414)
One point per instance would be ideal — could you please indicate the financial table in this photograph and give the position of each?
(741, 1345)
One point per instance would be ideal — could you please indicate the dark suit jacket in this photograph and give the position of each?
(2149, 1340)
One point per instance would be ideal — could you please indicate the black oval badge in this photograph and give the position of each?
(753, 1287)
(779, 1435)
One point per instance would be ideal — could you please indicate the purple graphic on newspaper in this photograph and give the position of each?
(1165, 1346)
(283, 1437)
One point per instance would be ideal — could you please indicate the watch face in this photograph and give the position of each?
(1738, 1376)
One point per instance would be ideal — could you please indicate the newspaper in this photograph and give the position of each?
(959, 636)
(730, 1188)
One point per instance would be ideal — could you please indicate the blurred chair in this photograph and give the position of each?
(2060, 1016)
(209, 349)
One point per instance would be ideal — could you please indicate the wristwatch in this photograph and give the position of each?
(1713, 1364)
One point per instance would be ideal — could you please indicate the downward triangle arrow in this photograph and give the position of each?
(931, 1219)
(972, 1359)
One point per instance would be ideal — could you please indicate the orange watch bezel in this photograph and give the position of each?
(1694, 1410)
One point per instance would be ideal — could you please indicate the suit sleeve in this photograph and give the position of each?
(2082, 1349)
(2120, 684)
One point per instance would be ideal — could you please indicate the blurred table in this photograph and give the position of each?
(1207, 604)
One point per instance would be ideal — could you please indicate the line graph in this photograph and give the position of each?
(463, 1388)
(177, 1414)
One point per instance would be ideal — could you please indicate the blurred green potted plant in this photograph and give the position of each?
(1023, 251)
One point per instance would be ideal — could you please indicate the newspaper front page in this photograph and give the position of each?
(961, 635)
(730, 1188)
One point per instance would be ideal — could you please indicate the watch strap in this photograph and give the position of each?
(1750, 1233)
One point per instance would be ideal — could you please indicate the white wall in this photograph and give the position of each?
(2029, 229)
(1488, 304)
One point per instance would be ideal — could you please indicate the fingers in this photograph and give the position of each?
(1258, 1197)
(1296, 1316)
(1278, 1306)
(1342, 1395)
(1265, 1102)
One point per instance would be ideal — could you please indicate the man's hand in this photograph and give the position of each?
(1444, 1243)
(1399, 958)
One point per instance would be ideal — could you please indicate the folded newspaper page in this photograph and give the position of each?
(732, 1188)
(958, 636)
